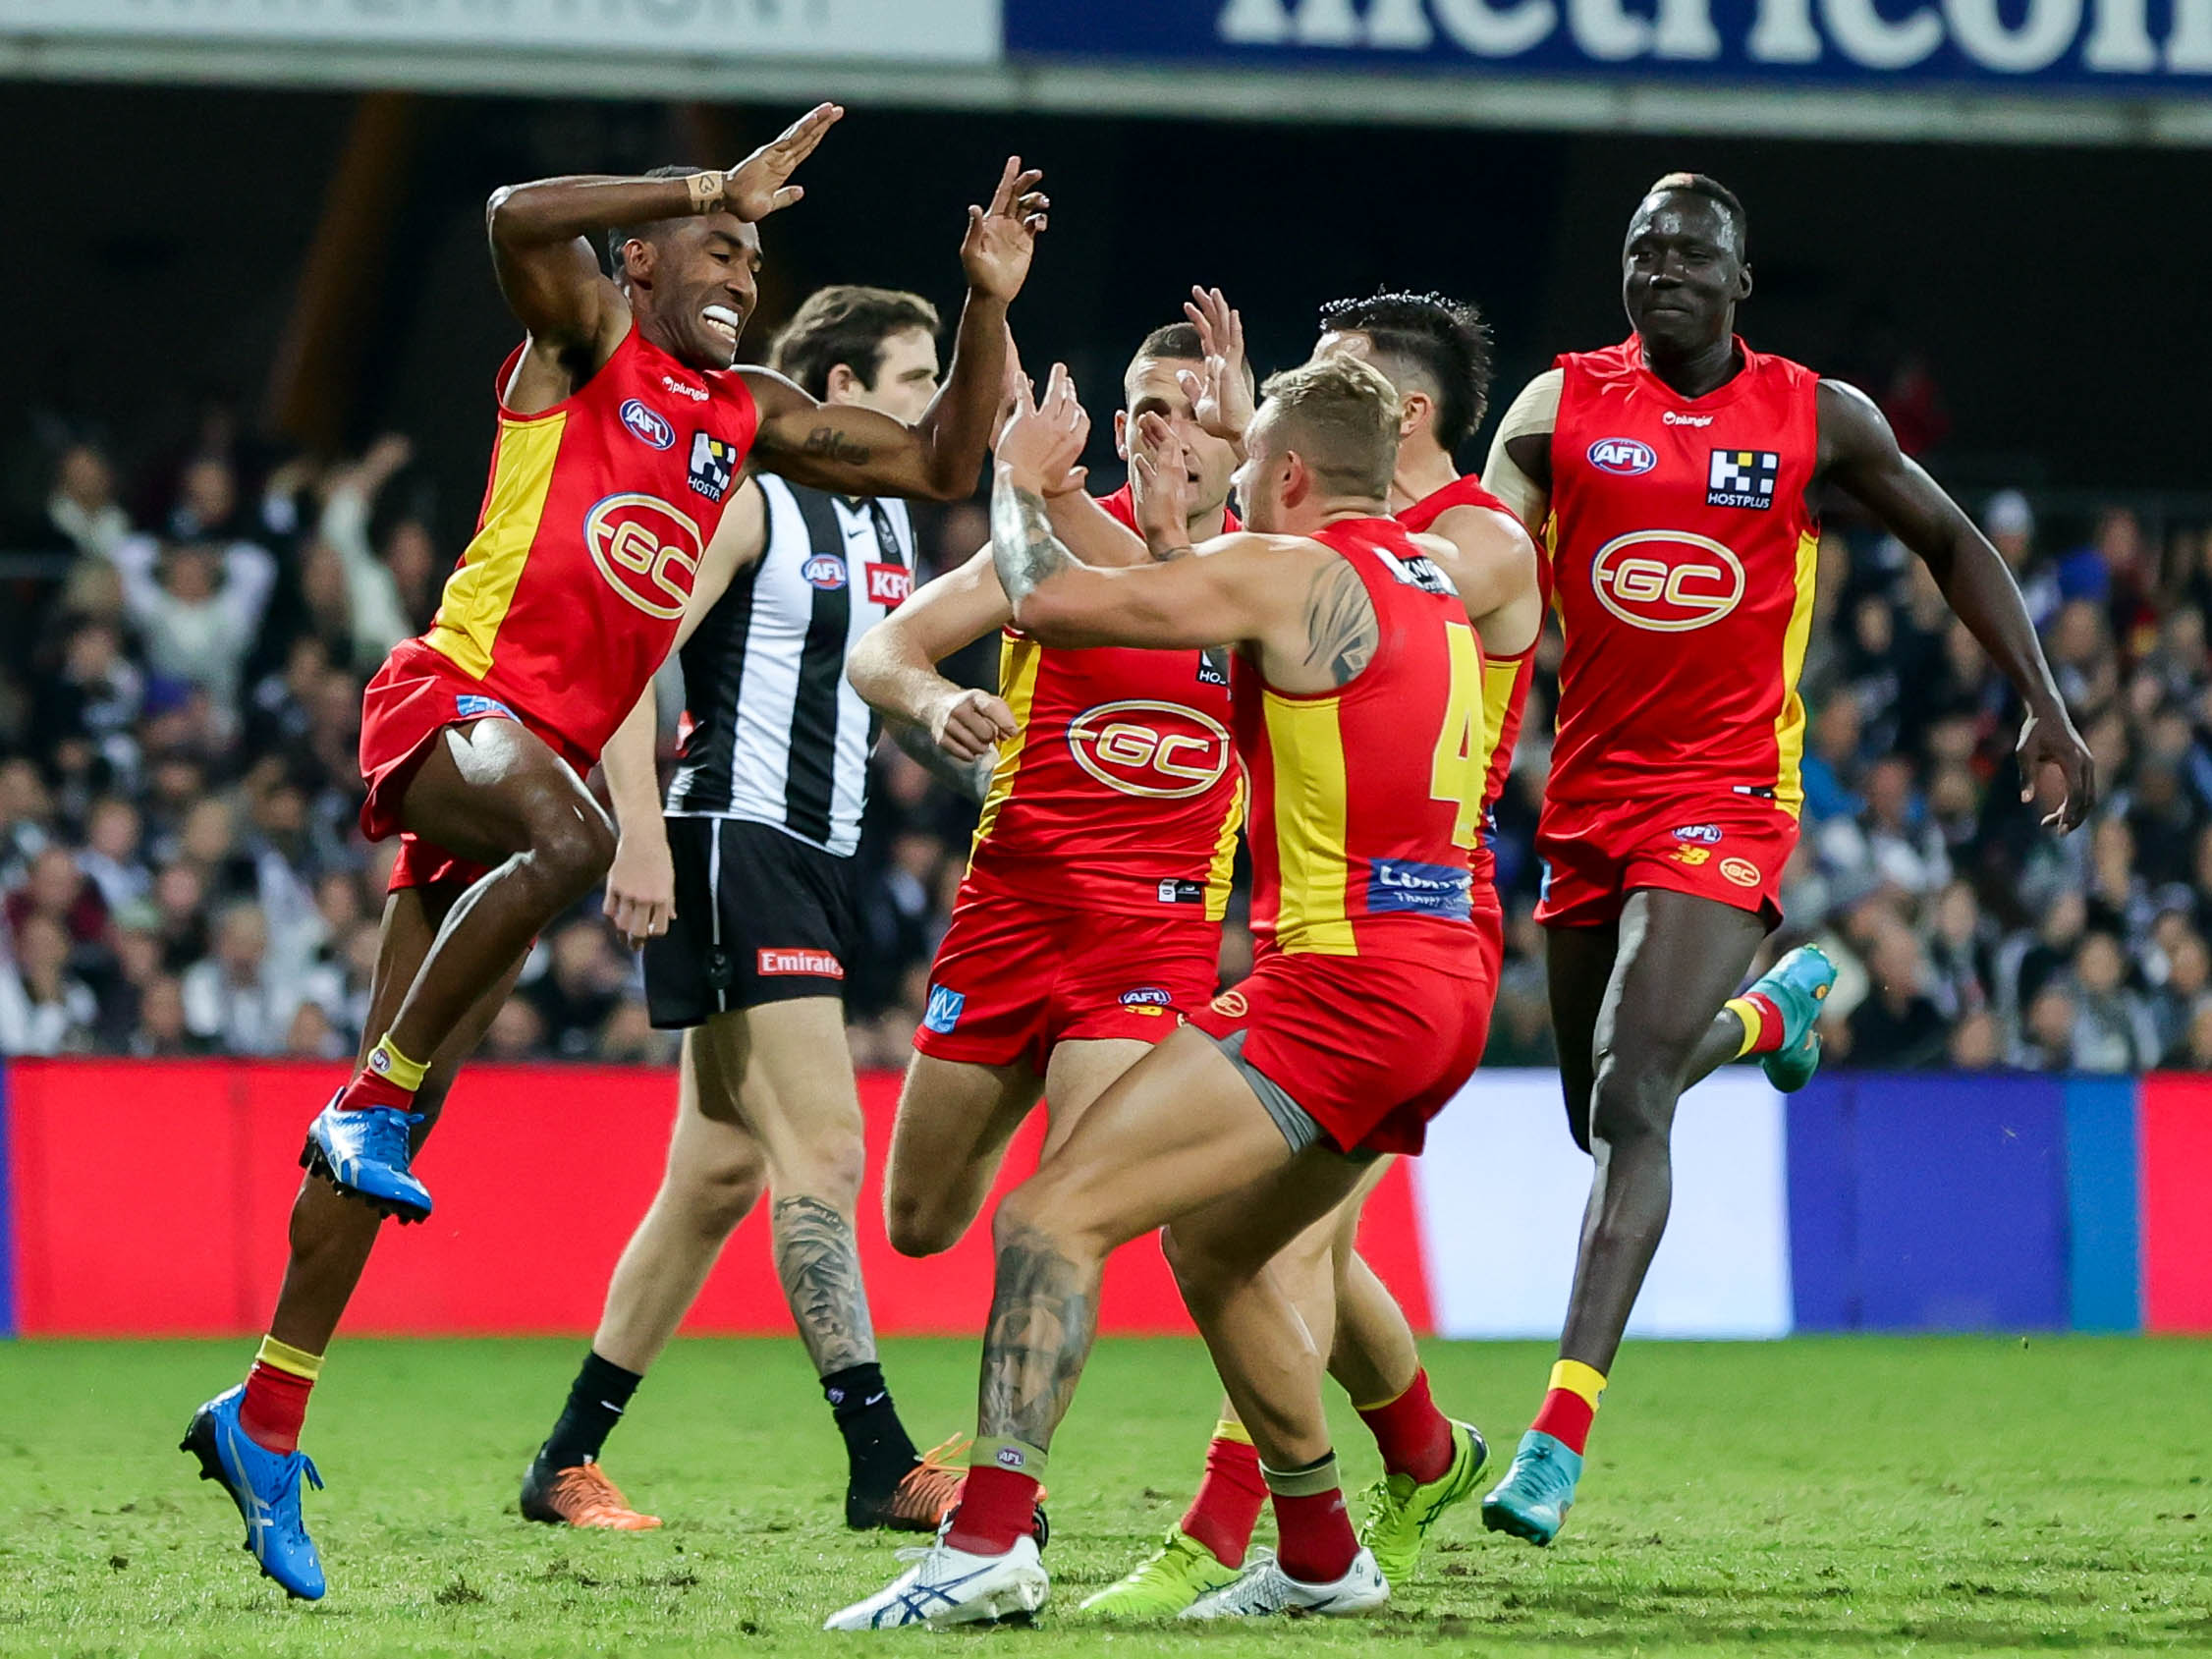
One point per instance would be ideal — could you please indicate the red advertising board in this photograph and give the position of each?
(2177, 1202)
(149, 1199)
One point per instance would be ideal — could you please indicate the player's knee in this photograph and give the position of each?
(719, 1192)
(829, 1166)
(573, 846)
(1037, 1213)
(1632, 1100)
(1204, 1273)
(922, 1226)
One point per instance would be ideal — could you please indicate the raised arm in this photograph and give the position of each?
(858, 451)
(548, 269)
(641, 893)
(1859, 453)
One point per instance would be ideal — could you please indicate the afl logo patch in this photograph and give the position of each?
(1669, 581)
(647, 425)
(825, 571)
(1159, 750)
(1624, 456)
(1149, 996)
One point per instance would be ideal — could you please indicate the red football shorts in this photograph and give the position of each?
(417, 695)
(1729, 848)
(1014, 979)
(1369, 1047)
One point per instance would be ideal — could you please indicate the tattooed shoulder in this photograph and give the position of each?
(1341, 631)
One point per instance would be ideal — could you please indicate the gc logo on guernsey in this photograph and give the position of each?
(1160, 749)
(1669, 581)
(647, 551)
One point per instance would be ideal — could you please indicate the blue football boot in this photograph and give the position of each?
(365, 1154)
(1797, 985)
(1538, 1490)
(265, 1486)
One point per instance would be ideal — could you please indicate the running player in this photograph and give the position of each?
(1672, 475)
(1090, 913)
(743, 900)
(1358, 713)
(1436, 354)
(623, 427)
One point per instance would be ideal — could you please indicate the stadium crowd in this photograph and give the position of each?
(180, 700)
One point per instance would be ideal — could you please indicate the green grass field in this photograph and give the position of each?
(1850, 1495)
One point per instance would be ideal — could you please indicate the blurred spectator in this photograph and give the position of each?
(235, 998)
(83, 506)
(58, 890)
(583, 981)
(198, 605)
(1897, 1027)
(44, 1009)
(2111, 1028)
(161, 1033)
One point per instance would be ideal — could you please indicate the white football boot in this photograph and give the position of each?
(1264, 1589)
(948, 1587)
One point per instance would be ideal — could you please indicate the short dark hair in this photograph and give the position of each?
(1445, 340)
(646, 229)
(846, 325)
(1176, 341)
(1713, 191)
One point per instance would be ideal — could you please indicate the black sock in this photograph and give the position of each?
(875, 1440)
(595, 1404)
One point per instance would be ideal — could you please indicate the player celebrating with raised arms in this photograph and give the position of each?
(1673, 476)
(623, 426)
(1090, 913)
(1436, 356)
(1358, 713)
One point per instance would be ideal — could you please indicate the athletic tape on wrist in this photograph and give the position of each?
(706, 191)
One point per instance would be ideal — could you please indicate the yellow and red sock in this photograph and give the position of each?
(1763, 1022)
(1571, 1404)
(1412, 1435)
(388, 1078)
(1230, 1496)
(1000, 1497)
(1313, 1538)
(276, 1395)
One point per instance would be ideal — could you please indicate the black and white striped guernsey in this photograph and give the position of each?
(774, 735)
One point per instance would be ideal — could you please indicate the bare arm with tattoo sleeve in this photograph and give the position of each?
(953, 730)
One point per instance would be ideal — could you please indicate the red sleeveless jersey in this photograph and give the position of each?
(593, 522)
(1683, 554)
(1122, 792)
(1366, 800)
(1505, 678)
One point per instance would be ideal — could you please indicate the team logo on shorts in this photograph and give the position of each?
(1623, 456)
(714, 463)
(647, 425)
(1231, 1005)
(815, 965)
(1669, 581)
(469, 706)
(1742, 478)
(945, 1008)
(1159, 750)
(825, 571)
(1710, 834)
(1741, 871)
(1691, 856)
(1148, 997)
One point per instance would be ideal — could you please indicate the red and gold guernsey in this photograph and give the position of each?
(1683, 553)
(1368, 799)
(594, 520)
(1505, 678)
(1121, 792)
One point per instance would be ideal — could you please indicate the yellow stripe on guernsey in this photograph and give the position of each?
(1306, 749)
(1790, 724)
(1019, 660)
(1223, 864)
(478, 592)
(1498, 676)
